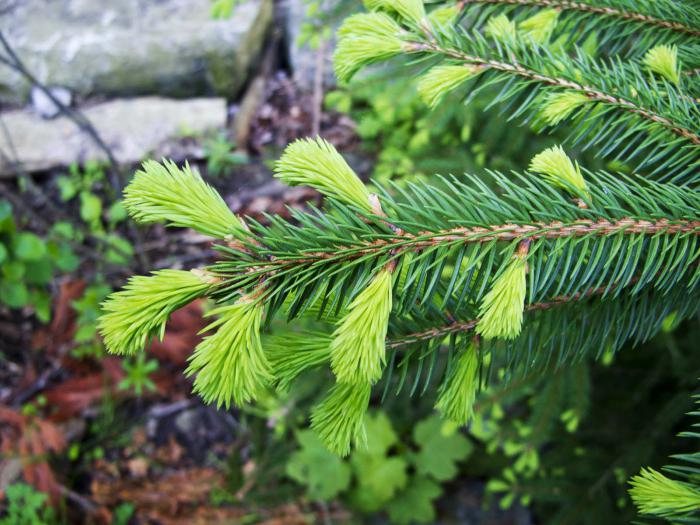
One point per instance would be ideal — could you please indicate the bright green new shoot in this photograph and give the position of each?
(230, 364)
(179, 197)
(292, 353)
(358, 348)
(538, 28)
(501, 311)
(656, 494)
(411, 10)
(140, 310)
(559, 170)
(339, 418)
(663, 60)
(316, 163)
(458, 391)
(559, 106)
(502, 28)
(440, 80)
(364, 39)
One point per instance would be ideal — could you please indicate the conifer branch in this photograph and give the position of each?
(603, 10)
(461, 327)
(591, 92)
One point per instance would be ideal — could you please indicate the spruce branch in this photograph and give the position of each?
(653, 21)
(592, 92)
(603, 100)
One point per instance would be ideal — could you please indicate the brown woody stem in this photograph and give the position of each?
(407, 242)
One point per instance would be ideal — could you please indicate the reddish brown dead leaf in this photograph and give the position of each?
(74, 395)
(31, 439)
(181, 335)
(171, 496)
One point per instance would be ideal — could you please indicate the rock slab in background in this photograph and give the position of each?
(304, 60)
(133, 47)
(132, 128)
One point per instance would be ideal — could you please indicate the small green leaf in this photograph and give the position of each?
(117, 213)
(29, 247)
(323, 473)
(39, 272)
(63, 229)
(90, 207)
(63, 257)
(13, 270)
(67, 188)
(7, 222)
(119, 250)
(440, 448)
(14, 294)
(41, 301)
(415, 503)
(379, 476)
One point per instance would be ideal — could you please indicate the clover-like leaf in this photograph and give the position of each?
(441, 447)
(323, 473)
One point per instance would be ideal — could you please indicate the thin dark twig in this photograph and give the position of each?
(77, 117)
(84, 125)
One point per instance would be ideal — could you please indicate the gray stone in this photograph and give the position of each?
(132, 128)
(44, 106)
(133, 47)
(304, 60)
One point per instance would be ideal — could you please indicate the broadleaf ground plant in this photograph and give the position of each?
(447, 285)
